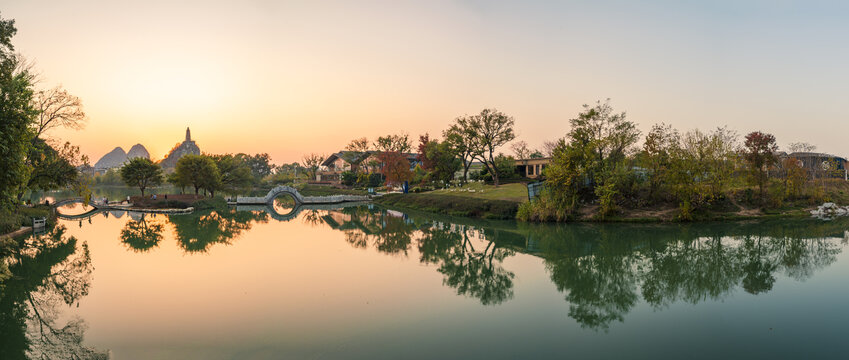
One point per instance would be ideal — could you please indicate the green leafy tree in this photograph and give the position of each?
(657, 153)
(506, 166)
(260, 164)
(592, 155)
(235, 173)
(461, 135)
(16, 115)
(199, 172)
(601, 139)
(348, 178)
(50, 168)
(701, 168)
(141, 173)
(394, 143)
(177, 181)
(443, 159)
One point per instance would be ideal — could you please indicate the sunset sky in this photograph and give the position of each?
(289, 78)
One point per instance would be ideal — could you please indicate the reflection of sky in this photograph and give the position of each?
(291, 288)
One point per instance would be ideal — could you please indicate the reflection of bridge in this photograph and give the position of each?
(73, 201)
(296, 210)
(299, 199)
(97, 211)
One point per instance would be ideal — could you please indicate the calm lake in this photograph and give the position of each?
(365, 282)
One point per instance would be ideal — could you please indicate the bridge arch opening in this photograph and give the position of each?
(284, 203)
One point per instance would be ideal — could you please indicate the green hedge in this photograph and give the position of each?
(452, 205)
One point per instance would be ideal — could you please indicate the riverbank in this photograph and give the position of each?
(477, 207)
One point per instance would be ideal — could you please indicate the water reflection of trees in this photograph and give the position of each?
(472, 267)
(199, 231)
(603, 270)
(46, 272)
(142, 235)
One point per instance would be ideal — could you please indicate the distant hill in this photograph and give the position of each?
(138, 150)
(112, 159)
(117, 157)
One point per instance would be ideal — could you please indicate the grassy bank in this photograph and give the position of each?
(454, 205)
(509, 192)
(326, 190)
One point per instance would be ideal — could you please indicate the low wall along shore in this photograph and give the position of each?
(300, 199)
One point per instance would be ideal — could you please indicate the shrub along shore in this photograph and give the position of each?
(739, 204)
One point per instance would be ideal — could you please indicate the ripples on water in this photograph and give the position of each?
(367, 282)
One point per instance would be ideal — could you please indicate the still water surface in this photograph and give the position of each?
(363, 282)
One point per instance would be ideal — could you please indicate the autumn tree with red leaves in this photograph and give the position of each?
(427, 163)
(396, 167)
(760, 153)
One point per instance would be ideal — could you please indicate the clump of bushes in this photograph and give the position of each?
(22, 217)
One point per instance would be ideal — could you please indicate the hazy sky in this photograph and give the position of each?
(289, 78)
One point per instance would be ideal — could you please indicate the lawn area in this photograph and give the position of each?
(452, 205)
(509, 192)
(326, 190)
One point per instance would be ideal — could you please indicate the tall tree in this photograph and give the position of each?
(141, 173)
(656, 157)
(589, 162)
(312, 162)
(424, 141)
(760, 153)
(461, 135)
(57, 108)
(492, 130)
(16, 114)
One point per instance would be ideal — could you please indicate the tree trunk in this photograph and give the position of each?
(142, 190)
(196, 189)
(494, 168)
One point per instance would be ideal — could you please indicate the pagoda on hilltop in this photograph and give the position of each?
(187, 147)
